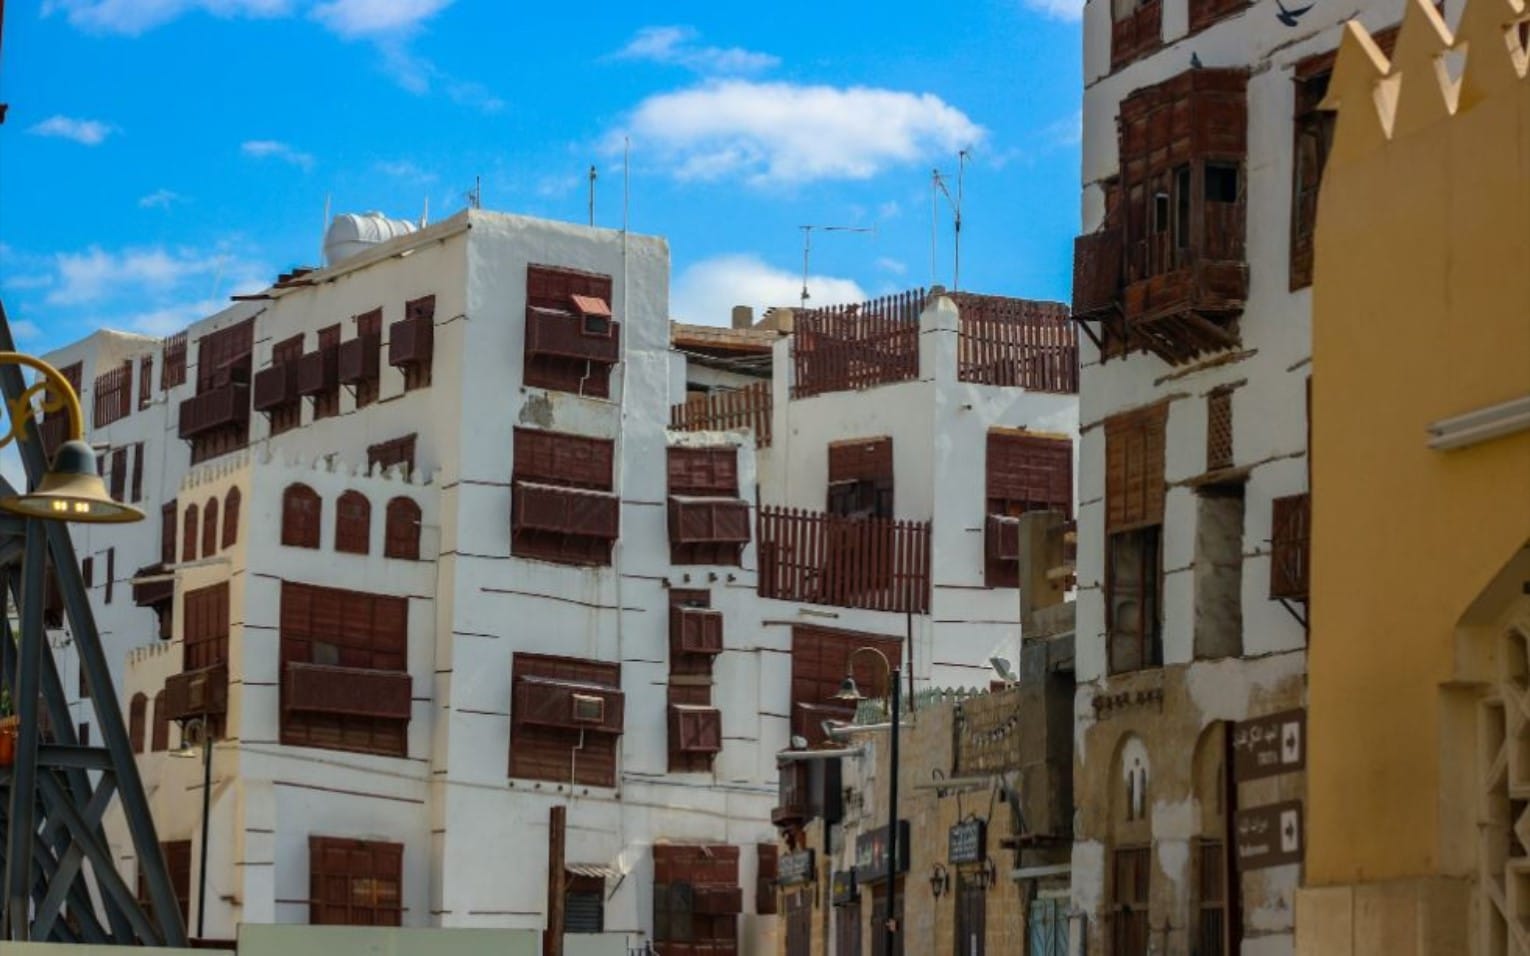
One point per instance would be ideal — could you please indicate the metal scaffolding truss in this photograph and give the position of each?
(59, 877)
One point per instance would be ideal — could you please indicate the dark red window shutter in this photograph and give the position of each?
(210, 528)
(119, 473)
(111, 572)
(137, 494)
(302, 510)
(402, 538)
(88, 571)
(355, 882)
(161, 724)
(231, 517)
(137, 716)
(189, 536)
(145, 381)
(167, 533)
(353, 523)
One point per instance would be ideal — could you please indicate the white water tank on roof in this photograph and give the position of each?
(352, 233)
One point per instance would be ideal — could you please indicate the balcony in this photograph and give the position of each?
(224, 407)
(873, 563)
(564, 335)
(199, 693)
(695, 630)
(158, 590)
(319, 372)
(1097, 260)
(569, 705)
(276, 386)
(708, 520)
(1137, 33)
(794, 805)
(347, 691)
(411, 341)
(360, 359)
(559, 510)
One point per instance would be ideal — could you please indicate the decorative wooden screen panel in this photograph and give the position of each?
(861, 459)
(1203, 13)
(820, 661)
(361, 358)
(695, 630)
(747, 407)
(113, 395)
(1219, 430)
(1136, 32)
(353, 523)
(543, 740)
(1290, 533)
(161, 739)
(355, 882)
(167, 529)
(136, 494)
(173, 371)
(708, 523)
(1211, 923)
(854, 347)
(231, 503)
(216, 420)
(363, 641)
(845, 562)
(206, 627)
(302, 512)
(1026, 472)
(397, 451)
(319, 374)
(119, 474)
(401, 535)
(1016, 343)
(694, 729)
(189, 538)
(411, 342)
(697, 899)
(1312, 141)
(572, 343)
(55, 424)
(210, 528)
(138, 717)
(1134, 466)
(276, 388)
(561, 508)
(557, 458)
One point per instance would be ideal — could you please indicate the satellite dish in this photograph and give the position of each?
(799, 742)
(194, 733)
(1001, 667)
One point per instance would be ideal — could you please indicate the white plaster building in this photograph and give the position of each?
(1202, 153)
(433, 568)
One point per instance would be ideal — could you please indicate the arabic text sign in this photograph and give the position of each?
(1269, 835)
(1270, 745)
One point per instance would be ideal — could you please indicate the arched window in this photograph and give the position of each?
(353, 523)
(402, 538)
(231, 517)
(301, 512)
(161, 724)
(137, 717)
(189, 538)
(210, 528)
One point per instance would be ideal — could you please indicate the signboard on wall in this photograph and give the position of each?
(1269, 835)
(967, 842)
(1270, 745)
(796, 868)
(842, 891)
(871, 853)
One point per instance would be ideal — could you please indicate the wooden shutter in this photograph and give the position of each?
(224, 356)
(765, 879)
(206, 626)
(189, 536)
(137, 494)
(1219, 433)
(161, 724)
(145, 382)
(210, 528)
(353, 523)
(1134, 467)
(88, 572)
(111, 572)
(302, 511)
(119, 473)
(1033, 472)
(137, 717)
(694, 729)
(231, 504)
(820, 660)
(398, 451)
(402, 532)
(355, 882)
(703, 471)
(556, 458)
(167, 529)
(861, 459)
(546, 750)
(173, 371)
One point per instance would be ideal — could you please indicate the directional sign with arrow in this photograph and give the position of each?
(1269, 835)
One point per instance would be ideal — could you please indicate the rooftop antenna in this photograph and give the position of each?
(626, 185)
(938, 186)
(807, 249)
(425, 214)
(475, 195)
(324, 229)
(592, 195)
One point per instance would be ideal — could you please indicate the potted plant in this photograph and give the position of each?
(9, 725)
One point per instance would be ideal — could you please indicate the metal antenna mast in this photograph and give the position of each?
(938, 184)
(592, 195)
(807, 249)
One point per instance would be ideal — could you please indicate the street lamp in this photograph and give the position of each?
(196, 735)
(71, 490)
(849, 692)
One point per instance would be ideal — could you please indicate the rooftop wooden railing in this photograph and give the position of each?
(1018, 343)
(747, 407)
(852, 347)
(873, 563)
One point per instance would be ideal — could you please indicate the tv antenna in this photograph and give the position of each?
(807, 249)
(592, 195)
(474, 196)
(938, 188)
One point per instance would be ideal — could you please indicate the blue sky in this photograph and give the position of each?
(160, 155)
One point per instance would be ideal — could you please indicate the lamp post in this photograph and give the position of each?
(70, 490)
(197, 736)
(849, 692)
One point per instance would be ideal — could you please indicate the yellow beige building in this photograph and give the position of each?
(1418, 772)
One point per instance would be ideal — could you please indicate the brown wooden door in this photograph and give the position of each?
(879, 917)
(799, 923)
(1129, 923)
(971, 917)
(847, 930)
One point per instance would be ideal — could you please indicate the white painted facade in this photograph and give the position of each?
(1268, 369)
(476, 839)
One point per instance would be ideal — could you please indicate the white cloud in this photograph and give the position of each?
(23, 329)
(83, 131)
(706, 292)
(782, 133)
(893, 266)
(404, 169)
(28, 281)
(274, 149)
(675, 45)
(1066, 132)
(1058, 9)
(98, 276)
(160, 199)
(133, 17)
(889, 210)
(370, 18)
